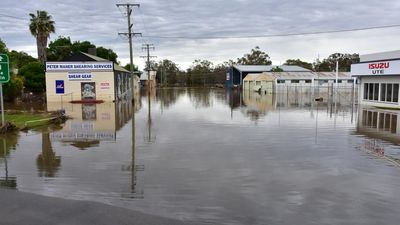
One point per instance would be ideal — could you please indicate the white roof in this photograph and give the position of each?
(380, 56)
(266, 68)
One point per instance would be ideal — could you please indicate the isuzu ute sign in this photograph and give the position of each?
(376, 68)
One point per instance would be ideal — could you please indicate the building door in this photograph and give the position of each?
(88, 90)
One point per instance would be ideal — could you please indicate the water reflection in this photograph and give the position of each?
(212, 164)
(7, 180)
(48, 162)
(92, 123)
(380, 126)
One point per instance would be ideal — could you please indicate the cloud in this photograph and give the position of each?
(99, 21)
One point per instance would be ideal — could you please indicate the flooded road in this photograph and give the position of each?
(214, 157)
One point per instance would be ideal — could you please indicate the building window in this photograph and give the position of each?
(389, 93)
(371, 91)
(280, 81)
(308, 81)
(382, 120)
(295, 81)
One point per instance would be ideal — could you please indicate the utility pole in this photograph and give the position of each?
(130, 34)
(148, 47)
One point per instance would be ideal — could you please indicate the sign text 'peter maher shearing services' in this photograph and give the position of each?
(92, 66)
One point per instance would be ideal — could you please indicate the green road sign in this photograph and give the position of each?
(4, 69)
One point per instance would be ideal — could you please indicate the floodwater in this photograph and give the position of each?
(215, 157)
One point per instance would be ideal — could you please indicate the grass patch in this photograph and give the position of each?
(21, 118)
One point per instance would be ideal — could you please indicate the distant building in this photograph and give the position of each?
(290, 75)
(144, 79)
(259, 82)
(379, 76)
(280, 79)
(87, 78)
(237, 73)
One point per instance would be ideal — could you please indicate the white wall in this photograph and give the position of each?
(72, 88)
(377, 79)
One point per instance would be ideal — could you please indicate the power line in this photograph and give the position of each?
(275, 35)
(130, 34)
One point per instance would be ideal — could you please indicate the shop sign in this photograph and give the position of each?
(60, 87)
(79, 76)
(104, 85)
(65, 66)
(376, 68)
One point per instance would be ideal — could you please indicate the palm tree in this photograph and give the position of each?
(41, 26)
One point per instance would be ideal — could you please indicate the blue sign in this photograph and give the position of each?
(59, 87)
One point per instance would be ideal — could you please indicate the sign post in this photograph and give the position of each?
(4, 78)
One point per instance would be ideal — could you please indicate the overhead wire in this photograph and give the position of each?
(277, 35)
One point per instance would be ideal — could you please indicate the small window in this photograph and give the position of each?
(280, 81)
(295, 81)
(308, 81)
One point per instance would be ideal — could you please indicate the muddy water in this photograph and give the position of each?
(218, 157)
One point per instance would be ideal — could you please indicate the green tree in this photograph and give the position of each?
(167, 71)
(34, 79)
(82, 46)
(276, 69)
(41, 26)
(19, 59)
(329, 64)
(13, 88)
(128, 67)
(106, 53)
(298, 62)
(3, 47)
(59, 49)
(201, 72)
(256, 57)
(63, 47)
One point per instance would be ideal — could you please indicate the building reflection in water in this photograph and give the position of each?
(256, 105)
(7, 180)
(91, 125)
(379, 126)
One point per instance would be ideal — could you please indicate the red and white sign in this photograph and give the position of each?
(376, 68)
(104, 85)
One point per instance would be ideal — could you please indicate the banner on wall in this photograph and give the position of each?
(71, 66)
(60, 87)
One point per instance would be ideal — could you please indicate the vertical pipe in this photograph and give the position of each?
(2, 105)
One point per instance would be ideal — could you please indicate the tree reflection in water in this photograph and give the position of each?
(47, 162)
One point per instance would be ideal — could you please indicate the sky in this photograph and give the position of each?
(215, 30)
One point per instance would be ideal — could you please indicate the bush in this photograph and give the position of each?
(34, 79)
(12, 89)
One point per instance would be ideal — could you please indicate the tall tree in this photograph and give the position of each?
(167, 71)
(59, 49)
(82, 46)
(298, 62)
(63, 47)
(329, 64)
(3, 47)
(106, 53)
(256, 57)
(41, 26)
(200, 72)
(20, 59)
